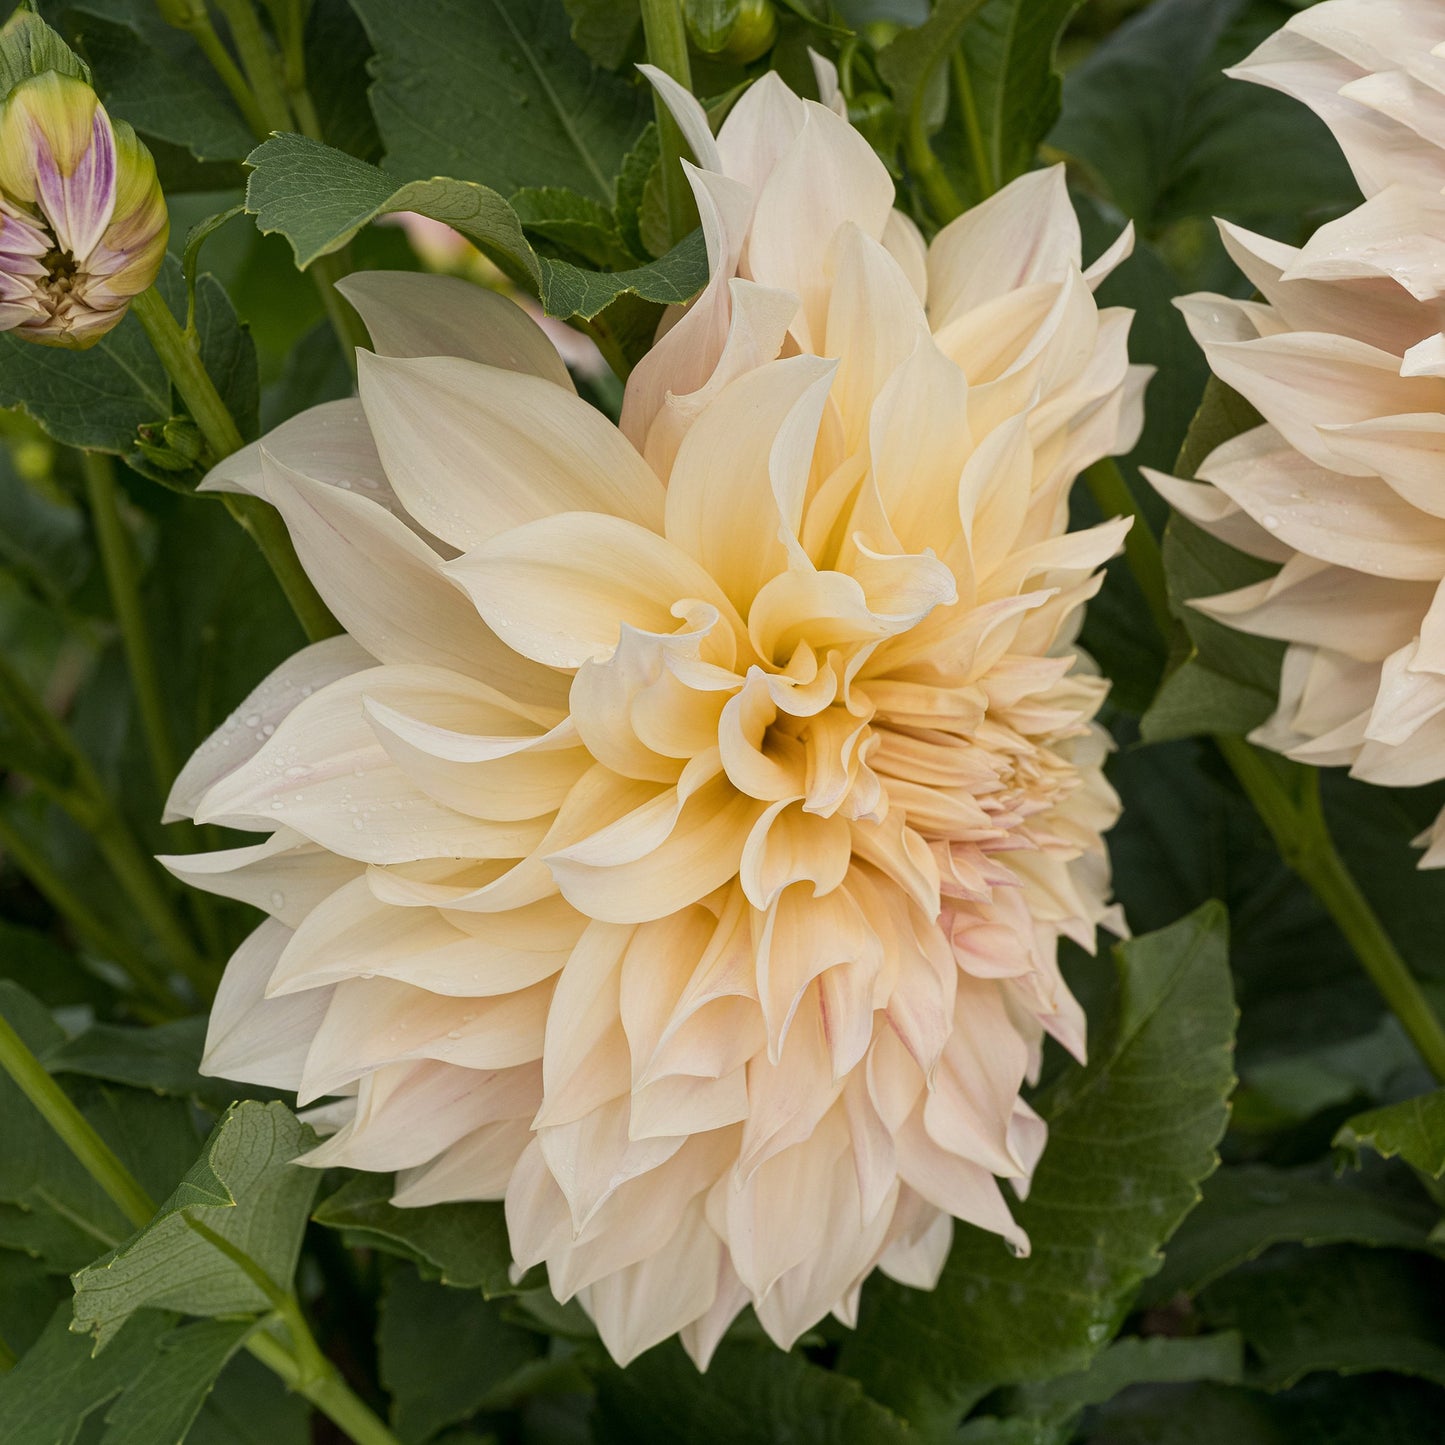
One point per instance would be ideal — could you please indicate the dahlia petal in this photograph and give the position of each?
(788, 845)
(560, 589)
(722, 508)
(1394, 235)
(1024, 235)
(286, 876)
(352, 934)
(1407, 451)
(388, 590)
(829, 175)
(641, 1305)
(691, 118)
(246, 730)
(1346, 520)
(372, 1022)
(701, 852)
(475, 450)
(254, 1039)
(406, 1114)
(919, 1262)
(477, 1166)
(410, 314)
(1306, 601)
(1219, 515)
(324, 774)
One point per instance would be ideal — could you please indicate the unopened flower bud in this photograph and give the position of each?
(736, 30)
(83, 223)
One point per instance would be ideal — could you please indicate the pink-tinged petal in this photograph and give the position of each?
(410, 314)
(474, 451)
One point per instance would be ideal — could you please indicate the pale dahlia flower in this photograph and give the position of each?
(678, 848)
(1345, 360)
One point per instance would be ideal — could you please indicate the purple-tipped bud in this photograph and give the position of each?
(83, 224)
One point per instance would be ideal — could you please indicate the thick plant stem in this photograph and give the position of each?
(201, 30)
(303, 1368)
(73, 1127)
(181, 358)
(1297, 823)
(925, 169)
(122, 582)
(258, 60)
(667, 49)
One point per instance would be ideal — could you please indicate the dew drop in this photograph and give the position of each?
(253, 720)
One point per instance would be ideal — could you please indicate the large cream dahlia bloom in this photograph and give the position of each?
(1346, 362)
(678, 844)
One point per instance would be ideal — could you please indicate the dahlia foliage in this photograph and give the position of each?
(678, 844)
(1345, 362)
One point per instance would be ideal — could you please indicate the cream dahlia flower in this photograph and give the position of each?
(1345, 360)
(678, 845)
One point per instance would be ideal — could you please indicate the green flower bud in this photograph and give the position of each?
(736, 30)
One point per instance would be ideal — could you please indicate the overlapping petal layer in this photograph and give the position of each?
(679, 845)
(1345, 360)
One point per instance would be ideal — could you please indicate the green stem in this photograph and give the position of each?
(666, 38)
(88, 926)
(122, 581)
(259, 62)
(84, 797)
(325, 272)
(1296, 823)
(181, 358)
(204, 34)
(968, 110)
(924, 166)
(1115, 499)
(73, 1127)
(329, 1394)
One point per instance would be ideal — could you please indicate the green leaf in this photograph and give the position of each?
(29, 47)
(495, 91)
(49, 1206)
(1130, 1138)
(319, 198)
(914, 56)
(243, 1188)
(1167, 135)
(606, 30)
(163, 1400)
(1222, 680)
(1009, 49)
(250, 1406)
(1413, 1129)
(94, 399)
(574, 222)
(29, 1294)
(164, 1057)
(445, 1353)
(464, 1245)
(678, 276)
(1247, 1208)
(1338, 1309)
(751, 1395)
(171, 97)
(58, 1384)
(1135, 1361)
